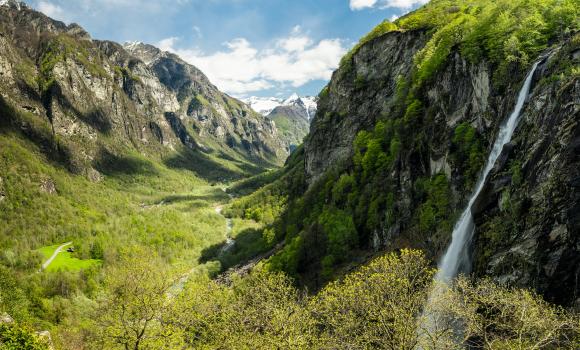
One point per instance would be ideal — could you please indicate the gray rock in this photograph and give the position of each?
(528, 215)
(5, 318)
(110, 98)
(48, 186)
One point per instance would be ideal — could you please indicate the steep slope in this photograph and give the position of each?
(291, 116)
(404, 128)
(90, 102)
(215, 117)
(292, 123)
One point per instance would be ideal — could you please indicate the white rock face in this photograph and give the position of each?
(13, 4)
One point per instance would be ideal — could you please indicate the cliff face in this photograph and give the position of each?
(528, 218)
(213, 115)
(432, 140)
(354, 101)
(100, 99)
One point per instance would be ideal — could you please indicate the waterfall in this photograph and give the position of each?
(457, 258)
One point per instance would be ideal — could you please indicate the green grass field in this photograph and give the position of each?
(65, 261)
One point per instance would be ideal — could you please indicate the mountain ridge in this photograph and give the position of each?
(157, 107)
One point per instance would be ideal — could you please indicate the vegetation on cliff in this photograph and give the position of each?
(367, 188)
(151, 235)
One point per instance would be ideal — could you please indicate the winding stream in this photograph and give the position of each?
(229, 226)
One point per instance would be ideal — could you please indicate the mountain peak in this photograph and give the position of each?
(14, 4)
(147, 53)
(265, 105)
(293, 98)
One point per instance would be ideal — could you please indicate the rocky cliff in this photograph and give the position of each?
(528, 219)
(405, 125)
(90, 102)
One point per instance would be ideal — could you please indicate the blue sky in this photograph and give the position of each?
(246, 47)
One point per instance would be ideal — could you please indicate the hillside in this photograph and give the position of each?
(99, 100)
(404, 128)
(431, 202)
(118, 150)
(292, 124)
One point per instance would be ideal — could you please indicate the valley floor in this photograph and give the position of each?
(62, 235)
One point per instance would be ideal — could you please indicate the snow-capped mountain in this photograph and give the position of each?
(13, 4)
(265, 105)
(292, 116)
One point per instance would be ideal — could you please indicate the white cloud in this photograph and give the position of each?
(400, 4)
(52, 10)
(167, 43)
(361, 4)
(241, 68)
(67, 10)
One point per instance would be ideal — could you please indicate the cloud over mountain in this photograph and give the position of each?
(240, 67)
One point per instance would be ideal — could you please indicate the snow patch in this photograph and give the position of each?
(13, 4)
(265, 105)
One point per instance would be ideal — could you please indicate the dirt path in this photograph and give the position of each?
(57, 250)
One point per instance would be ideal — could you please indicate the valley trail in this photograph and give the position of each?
(53, 256)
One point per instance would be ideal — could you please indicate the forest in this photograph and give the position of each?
(151, 267)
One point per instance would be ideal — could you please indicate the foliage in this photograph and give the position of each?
(467, 152)
(436, 207)
(15, 337)
(495, 317)
(376, 306)
(262, 311)
(504, 32)
(339, 228)
(390, 303)
(128, 316)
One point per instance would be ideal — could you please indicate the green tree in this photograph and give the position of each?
(15, 337)
(340, 231)
(261, 311)
(137, 297)
(376, 306)
(491, 316)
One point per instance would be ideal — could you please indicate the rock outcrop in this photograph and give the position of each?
(346, 107)
(528, 216)
(528, 223)
(87, 100)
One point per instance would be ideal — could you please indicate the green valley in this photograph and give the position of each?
(432, 201)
